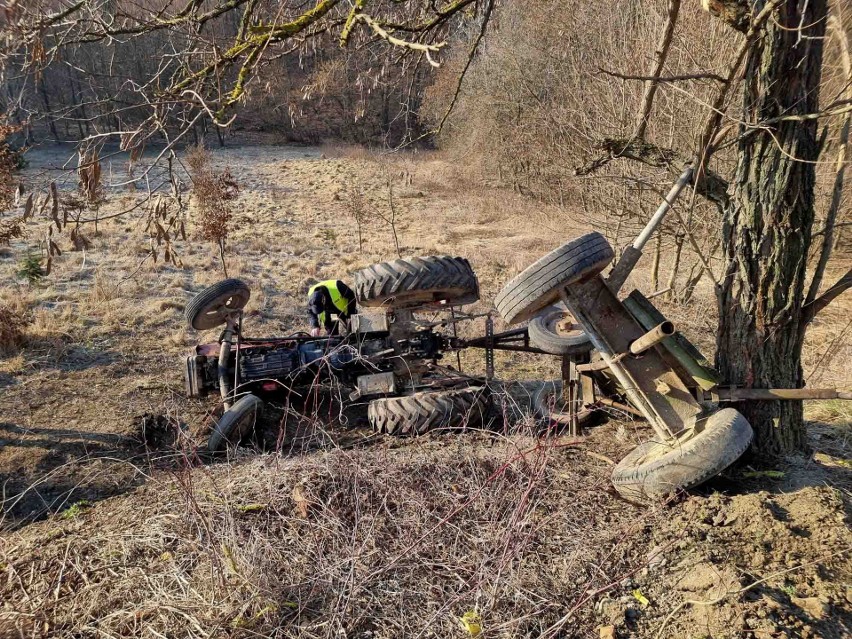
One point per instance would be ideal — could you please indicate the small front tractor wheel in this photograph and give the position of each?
(558, 333)
(417, 281)
(235, 424)
(210, 307)
(420, 412)
(538, 285)
(656, 469)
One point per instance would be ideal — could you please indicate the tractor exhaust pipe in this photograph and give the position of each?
(652, 338)
(224, 354)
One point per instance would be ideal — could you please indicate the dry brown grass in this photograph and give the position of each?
(401, 538)
(389, 542)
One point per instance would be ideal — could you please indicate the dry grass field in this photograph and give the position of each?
(114, 526)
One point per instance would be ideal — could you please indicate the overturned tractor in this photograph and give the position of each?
(616, 352)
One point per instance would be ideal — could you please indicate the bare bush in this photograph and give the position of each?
(214, 192)
(357, 206)
(13, 326)
(13, 227)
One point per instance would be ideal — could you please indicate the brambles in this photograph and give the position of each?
(213, 192)
(13, 325)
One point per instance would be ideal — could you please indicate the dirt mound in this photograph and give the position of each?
(759, 565)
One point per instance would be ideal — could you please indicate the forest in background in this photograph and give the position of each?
(543, 95)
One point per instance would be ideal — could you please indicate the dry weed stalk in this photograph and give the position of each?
(391, 216)
(358, 207)
(214, 193)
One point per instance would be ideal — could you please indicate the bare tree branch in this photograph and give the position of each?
(660, 56)
(810, 311)
(670, 78)
(842, 152)
(713, 187)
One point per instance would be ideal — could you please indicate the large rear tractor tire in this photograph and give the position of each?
(538, 286)
(656, 469)
(417, 281)
(421, 412)
(210, 307)
(235, 424)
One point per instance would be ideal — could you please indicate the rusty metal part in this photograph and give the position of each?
(376, 384)
(489, 348)
(653, 337)
(683, 354)
(571, 390)
(515, 339)
(600, 365)
(224, 354)
(612, 329)
(734, 394)
(606, 401)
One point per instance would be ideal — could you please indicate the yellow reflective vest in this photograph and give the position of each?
(340, 302)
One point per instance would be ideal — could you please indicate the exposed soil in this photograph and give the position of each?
(115, 525)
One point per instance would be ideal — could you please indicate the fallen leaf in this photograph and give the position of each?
(607, 632)
(771, 474)
(251, 508)
(642, 599)
(302, 503)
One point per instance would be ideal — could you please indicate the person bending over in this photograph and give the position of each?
(330, 304)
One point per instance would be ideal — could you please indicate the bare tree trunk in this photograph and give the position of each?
(221, 244)
(47, 109)
(768, 223)
(675, 265)
(655, 263)
(660, 56)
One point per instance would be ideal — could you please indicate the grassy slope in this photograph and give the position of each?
(399, 539)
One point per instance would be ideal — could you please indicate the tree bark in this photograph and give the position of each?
(768, 223)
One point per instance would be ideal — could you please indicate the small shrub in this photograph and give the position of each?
(31, 269)
(75, 510)
(213, 193)
(12, 330)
